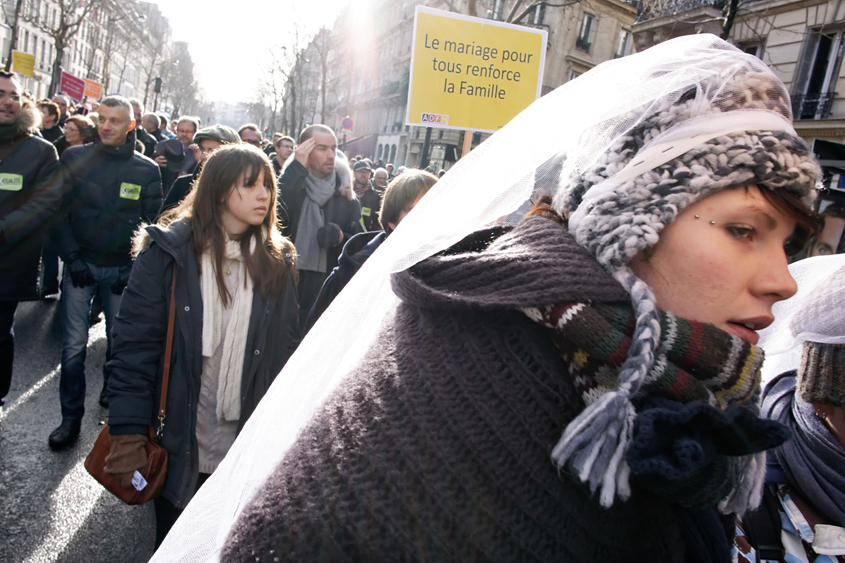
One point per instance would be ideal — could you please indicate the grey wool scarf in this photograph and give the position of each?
(812, 459)
(317, 193)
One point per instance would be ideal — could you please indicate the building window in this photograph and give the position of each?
(25, 41)
(573, 74)
(755, 48)
(586, 33)
(815, 80)
(623, 44)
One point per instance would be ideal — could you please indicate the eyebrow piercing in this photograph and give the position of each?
(696, 216)
(712, 222)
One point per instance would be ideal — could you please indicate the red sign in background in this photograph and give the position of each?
(72, 86)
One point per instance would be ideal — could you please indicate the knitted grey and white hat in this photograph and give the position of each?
(732, 129)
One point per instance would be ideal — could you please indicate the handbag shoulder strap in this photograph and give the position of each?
(171, 318)
(763, 528)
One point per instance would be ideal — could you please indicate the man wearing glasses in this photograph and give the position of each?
(250, 133)
(186, 128)
(30, 198)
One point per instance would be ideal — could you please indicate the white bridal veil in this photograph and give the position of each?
(549, 143)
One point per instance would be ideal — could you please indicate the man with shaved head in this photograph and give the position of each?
(110, 191)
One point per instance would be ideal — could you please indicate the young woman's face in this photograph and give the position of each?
(722, 262)
(246, 205)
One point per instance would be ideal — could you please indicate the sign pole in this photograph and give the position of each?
(467, 143)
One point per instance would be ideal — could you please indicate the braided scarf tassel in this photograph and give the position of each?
(595, 442)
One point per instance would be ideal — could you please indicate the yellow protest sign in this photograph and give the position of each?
(23, 63)
(472, 73)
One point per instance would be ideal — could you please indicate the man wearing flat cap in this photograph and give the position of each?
(369, 198)
(206, 141)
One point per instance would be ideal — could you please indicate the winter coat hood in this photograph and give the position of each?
(534, 264)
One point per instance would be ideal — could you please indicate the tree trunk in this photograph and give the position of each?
(323, 91)
(730, 15)
(13, 41)
(293, 110)
(56, 79)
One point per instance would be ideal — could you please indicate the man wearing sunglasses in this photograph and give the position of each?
(250, 133)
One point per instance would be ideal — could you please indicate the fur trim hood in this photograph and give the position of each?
(28, 120)
(341, 167)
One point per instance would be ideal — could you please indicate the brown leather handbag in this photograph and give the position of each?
(156, 469)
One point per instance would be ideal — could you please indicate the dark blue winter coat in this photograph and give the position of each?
(355, 253)
(109, 192)
(138, 341)
(30, 197)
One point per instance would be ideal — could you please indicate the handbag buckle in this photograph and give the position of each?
(160, 431)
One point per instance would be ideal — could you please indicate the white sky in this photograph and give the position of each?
(228, 39)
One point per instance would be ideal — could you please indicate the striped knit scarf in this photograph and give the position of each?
(694, 361)
(691, 398)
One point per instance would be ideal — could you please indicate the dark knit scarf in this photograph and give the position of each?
(361, 190)
(696, 414)
(694, 362)
(813, 460)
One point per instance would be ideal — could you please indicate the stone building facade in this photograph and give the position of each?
(122, 47)
(800, 40)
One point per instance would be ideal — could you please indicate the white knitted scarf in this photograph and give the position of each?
(234, 341)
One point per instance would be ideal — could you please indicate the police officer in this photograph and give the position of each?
(110, 190)
(30, 196)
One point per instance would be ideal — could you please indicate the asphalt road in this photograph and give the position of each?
(50, 508)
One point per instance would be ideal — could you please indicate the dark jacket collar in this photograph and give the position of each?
(533, 264)
(124, 151)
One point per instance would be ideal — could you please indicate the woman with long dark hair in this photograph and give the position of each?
(236, 325)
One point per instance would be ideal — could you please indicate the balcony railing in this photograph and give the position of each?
(812, 106)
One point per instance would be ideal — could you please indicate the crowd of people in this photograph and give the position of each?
(570, 374)
(121, 200)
